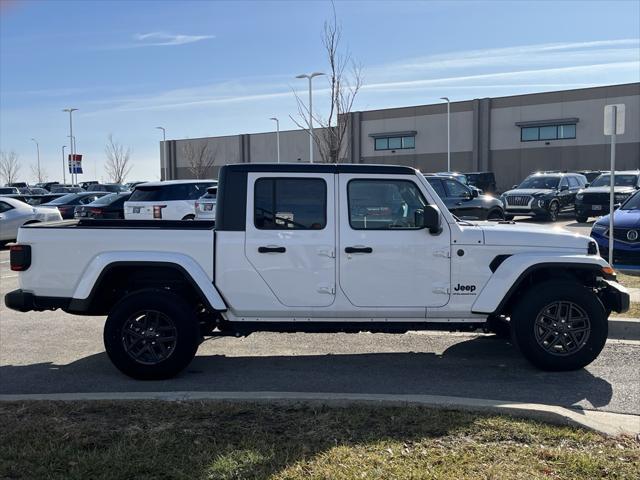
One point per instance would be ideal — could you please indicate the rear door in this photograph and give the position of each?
(290, 236)
(384, 259)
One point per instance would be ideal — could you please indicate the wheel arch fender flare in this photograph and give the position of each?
(101, 264)
(515, 269)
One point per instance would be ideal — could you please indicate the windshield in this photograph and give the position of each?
(621, 181)
(540, 182)
(632, 204)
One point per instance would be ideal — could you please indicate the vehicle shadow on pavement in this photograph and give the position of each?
(481, 367)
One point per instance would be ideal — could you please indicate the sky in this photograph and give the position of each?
(207, 68)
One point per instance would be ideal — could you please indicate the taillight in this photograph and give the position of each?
(157, 211)
(20, 257)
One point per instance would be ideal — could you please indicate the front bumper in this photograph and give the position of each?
(588, 210)
(22, 301)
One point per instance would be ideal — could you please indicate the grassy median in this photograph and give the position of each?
(213, 440)
(630, 281)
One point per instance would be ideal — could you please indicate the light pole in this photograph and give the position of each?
(64, 175)
(310, 77)
(277, 135)
(38, 151)
(73, 143)
(164, 133)
(448, 132)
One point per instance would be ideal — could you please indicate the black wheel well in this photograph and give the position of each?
(582, 274)
(118, 280)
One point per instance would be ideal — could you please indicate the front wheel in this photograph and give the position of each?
(559, 325)
(496, 215)
(151, 334)
(552, 212)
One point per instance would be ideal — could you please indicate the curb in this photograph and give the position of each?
(606, 423)
(624, 328)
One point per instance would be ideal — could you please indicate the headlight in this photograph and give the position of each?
(541, 203)
(599, 228)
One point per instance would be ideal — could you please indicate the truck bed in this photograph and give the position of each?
(128, 224)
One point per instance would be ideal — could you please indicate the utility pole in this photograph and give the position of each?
(64, 175)
(448, 132)
(277, 136)
(38, 151)
(310, 77)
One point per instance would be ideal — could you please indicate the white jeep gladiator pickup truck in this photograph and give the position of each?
(318, 248)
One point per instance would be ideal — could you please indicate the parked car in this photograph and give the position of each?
(318, 248)
(626, 233)
(593, 201)
(67, 203)
(464, 202)
(9, 191)
(169, 200)
(110, 206)
(106, 187)
(460, 177)
(34, 191)
(47, 185)
(85, 185)
(485, 181)
(35, 199)
(14, 214)
(131, 185)
(591, 175)
(18, 184)
(206, 205)
(544, 195)
(65, 189)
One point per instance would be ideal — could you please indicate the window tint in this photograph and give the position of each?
(563, 182)
(5, 207)
(456, 189)
(164, 193)
(290, 204)
(384, 204)
(437, 186)
(573, 182)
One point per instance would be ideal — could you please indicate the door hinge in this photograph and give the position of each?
(328, 289)
(446, 253)
(327, 252)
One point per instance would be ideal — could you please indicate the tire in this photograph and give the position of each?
(559, 349)
(581, 219)
(134, 326)
(553, 210)
(496, 214)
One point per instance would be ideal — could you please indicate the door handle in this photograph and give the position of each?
(358, 250)
(271, 249)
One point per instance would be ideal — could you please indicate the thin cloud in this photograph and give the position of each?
(161, 39)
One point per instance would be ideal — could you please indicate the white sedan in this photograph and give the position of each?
(14, 214)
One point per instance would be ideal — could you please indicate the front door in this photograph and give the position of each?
(290, 236)
(385, 260)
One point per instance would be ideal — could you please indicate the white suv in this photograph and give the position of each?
(206, 205)
(169, 200)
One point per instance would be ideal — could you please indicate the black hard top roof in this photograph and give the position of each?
(321, 168)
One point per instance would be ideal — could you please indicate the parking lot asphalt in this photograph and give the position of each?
(53, 352)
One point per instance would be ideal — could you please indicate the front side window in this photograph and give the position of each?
(436, 183)
(290, 204)
(456, 189)
(384, 204)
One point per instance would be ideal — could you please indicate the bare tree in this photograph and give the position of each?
(9, 167)
(118, 157)
(345, 81)
(199, 159)
(39, 173)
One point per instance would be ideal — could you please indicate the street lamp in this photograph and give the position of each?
(38, 150)
(73, 143)
(277, 135)
(310, 77)
(164, 133)
(64, 175)
(448, 132)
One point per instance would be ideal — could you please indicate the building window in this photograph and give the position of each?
(395, 143)
(547, 132)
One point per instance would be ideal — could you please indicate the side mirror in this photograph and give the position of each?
(474, 193)
(586, 185)
(616, 206)
(428, 218)
(564, 188)
(514, 187)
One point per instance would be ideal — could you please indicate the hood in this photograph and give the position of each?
(526, 235)
(530, 191)
(622, 219)
(589, 190)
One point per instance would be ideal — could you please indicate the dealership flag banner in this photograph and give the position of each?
(75, 163)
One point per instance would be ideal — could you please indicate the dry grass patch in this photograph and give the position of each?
(216, 440)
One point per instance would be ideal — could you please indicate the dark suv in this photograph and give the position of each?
(464, 202)
(544, 195)
(594, 200)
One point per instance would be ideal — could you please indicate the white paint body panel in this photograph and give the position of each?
(173, 210)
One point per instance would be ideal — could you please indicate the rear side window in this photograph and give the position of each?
(290, 204)
(384, 204)
(5, 207)
(165, 193)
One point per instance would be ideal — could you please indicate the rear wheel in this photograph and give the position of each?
(496, 214)
(582, 219)
(151, 334)
(189, 217)
(559, 325)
